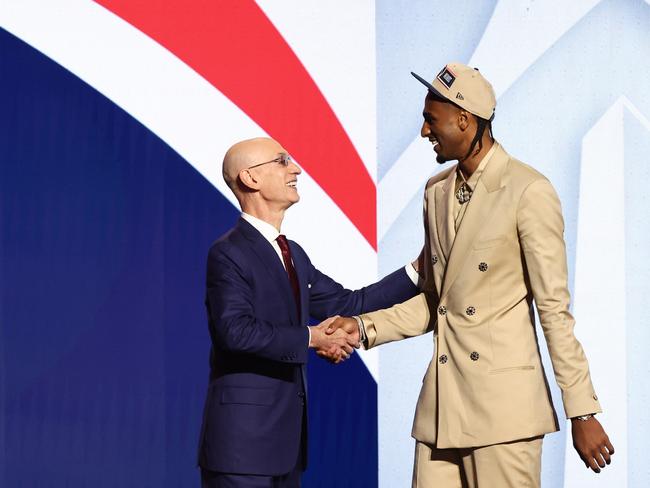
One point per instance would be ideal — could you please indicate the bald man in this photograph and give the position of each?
(261, 291)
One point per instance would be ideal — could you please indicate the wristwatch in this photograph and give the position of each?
(362, 328)
(584, 418)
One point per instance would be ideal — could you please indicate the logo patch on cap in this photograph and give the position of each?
(446, 77)
(460, 96)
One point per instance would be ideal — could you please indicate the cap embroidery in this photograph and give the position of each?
(459, 96)
(446, 77)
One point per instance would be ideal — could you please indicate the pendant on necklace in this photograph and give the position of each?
(464, 193)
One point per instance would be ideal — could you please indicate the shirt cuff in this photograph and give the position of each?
(412, 274)
(309, 343)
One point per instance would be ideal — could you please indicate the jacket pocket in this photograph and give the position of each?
(487, 243)
(511, 368)
(247, 396)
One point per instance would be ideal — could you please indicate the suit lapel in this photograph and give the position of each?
(479, 208)
(443, 193)
(271, 263)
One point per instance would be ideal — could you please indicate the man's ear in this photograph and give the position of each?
(248, 180)
(463, 120)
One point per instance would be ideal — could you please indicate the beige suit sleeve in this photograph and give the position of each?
(541, 228)
(408, 319)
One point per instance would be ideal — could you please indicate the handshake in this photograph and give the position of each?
(335, 338)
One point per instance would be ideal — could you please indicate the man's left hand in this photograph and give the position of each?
(592, 443)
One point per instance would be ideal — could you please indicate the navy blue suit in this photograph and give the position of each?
(253, 417)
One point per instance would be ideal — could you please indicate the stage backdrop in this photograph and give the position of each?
(114, 119)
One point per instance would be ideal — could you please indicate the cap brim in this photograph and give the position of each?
(428, 85)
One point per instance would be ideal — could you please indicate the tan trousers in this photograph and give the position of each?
(509, 465)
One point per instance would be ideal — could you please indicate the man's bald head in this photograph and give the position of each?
(247, 153)
(263, 178)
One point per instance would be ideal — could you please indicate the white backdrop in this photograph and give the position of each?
(571, 80)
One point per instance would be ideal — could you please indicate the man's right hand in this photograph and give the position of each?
(346, 324)
(335, 346)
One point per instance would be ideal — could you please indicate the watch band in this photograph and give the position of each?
(362, 328)
(584, 418)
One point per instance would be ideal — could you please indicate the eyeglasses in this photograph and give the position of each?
(283, 159)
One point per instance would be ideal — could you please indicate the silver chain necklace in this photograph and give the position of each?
(464, 192)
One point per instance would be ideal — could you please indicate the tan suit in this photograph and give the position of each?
(485, 384)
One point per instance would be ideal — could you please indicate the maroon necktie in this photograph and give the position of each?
(291, 271)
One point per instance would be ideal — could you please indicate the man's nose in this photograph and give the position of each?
(425, 131)
(294, 168)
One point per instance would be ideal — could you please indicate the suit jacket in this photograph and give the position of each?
(485, 383)
(253, 414)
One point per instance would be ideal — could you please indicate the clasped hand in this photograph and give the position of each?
(335, 345)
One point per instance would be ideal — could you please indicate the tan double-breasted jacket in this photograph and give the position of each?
(485, 383)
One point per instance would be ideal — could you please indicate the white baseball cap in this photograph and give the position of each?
(465, 87)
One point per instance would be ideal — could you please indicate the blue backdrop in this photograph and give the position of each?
(103, 336)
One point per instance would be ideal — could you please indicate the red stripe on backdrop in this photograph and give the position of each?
(233, 45)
